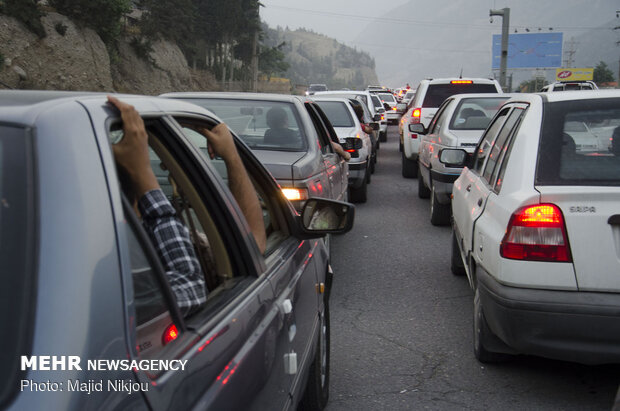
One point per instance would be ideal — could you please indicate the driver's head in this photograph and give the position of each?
(277, 118)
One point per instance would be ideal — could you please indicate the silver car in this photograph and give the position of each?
(290, 135)
(87, 309)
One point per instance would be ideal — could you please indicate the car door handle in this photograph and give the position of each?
(286, 307)
(614, 220)
(468, 189)
(479, 202)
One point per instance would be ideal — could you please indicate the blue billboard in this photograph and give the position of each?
(531, 50)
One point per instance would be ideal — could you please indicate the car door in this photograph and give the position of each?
(335, 166)
(229, 347)
(289, 266)
(429, 142)
(470, 191)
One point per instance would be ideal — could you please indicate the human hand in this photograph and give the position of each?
(132, 152)
(221, 142)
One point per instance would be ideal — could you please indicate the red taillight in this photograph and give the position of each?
(416, 113)
(170, 334)
(461, 82)
(382, 117)
(536, 233)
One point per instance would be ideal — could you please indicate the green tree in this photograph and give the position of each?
(103, 16)
(602, 73)
(271, 60)
(26, 11)
(532, 86)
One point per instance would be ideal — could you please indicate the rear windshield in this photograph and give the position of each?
(262, 125)
(438, 93)
(337, 112)
(580, 143)
(16, 225)
(388, 98)
(475, 113)
(317, 87)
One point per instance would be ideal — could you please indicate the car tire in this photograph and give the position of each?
(400, 146)
(423, 191)
(383, 136)
(316, 394)
(482, 334)
(360, 194)
(373, 163)
(440, 213)
(456, 262)
(410, 167)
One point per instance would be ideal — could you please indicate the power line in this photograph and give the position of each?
(418, 22)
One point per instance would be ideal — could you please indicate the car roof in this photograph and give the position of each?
(449, 79)
(23, 106)
(483, 95)
(566, 95)
(237, 96)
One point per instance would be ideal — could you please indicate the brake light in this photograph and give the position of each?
(293, 194)
(415, 115)
(536, 233)
(170, 334)
(383, 118)
(394, 108)
(461, 82)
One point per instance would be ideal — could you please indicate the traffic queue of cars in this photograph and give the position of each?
(530, 184)
(261, 340)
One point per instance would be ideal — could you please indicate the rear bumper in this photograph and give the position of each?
(564, 325)
(357, 173)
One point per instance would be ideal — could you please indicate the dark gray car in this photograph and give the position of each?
(289, 134)
(89, 320)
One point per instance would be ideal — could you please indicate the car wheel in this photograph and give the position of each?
(440, 213)
(317, 390)
(379, 142)
(383, 136)
(373, 162)
(400, 147)
(410, 167)
(482, 334)
(423, 192)
(359, 195)
(456, 262)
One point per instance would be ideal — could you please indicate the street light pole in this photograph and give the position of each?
(503, 63)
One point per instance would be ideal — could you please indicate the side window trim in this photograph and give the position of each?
(318, 125)
(499, 118)
(500, 166)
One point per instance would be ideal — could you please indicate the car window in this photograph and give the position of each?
(376, 101)
(498, 147)
(475, 113)
(438, 93)
(16, 255)
(337, 112)
(486, 142)
(321, 126)
(497, 178)
(388, 98)
(580, 143)
(435, 125)
(276, 230)
(262, 125)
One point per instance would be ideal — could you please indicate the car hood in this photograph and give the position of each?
(287, 165)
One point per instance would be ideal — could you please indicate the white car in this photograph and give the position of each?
(428, 97)
(459, 123)
(536, 228)
(344, 121)
(390, 103)
(570, 85)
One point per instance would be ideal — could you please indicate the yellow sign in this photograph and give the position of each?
(574, 74)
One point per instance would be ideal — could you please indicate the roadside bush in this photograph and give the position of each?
(103, 16)
(27, 12)
(60, 28)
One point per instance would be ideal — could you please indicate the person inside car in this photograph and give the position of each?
(169, 235)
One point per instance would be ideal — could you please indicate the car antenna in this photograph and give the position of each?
(461, 74)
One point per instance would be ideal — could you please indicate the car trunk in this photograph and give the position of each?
(467, 139)
(593, 232)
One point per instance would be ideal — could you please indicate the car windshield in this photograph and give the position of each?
(438, 93)
(261, 124)
(475, 113)
(580, 143)
(338, 113)
(17, 273)
(317, 87)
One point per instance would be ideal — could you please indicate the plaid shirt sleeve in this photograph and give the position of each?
(176, 252)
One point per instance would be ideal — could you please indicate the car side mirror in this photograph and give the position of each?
(376, 117)
(353, 143)
(417, 128)
(374, 126)
(320, 216)
(453, 157)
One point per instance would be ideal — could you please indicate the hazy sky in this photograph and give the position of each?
(340, 19)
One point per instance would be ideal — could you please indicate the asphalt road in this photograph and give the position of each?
(401, 323)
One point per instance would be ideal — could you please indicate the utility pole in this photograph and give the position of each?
(618, 44)
(570, 53)
(505, 13)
